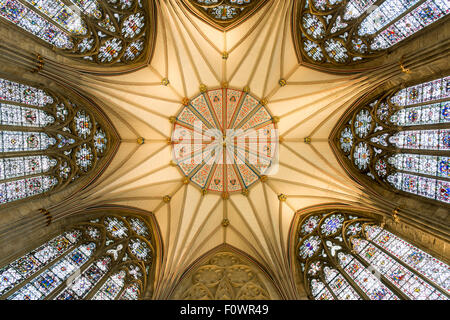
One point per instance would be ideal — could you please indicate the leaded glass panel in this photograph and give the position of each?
(347, 32)
(401, 139)
(46, 141)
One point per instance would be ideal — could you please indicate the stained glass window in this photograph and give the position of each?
(402, 139)
(224, 140)
(98, 31)
(347, 256)
(86, 262)
(224, 13)
(352, 31)
(46, 141)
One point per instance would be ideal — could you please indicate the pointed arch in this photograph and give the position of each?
(105, 253)
(395, 143)
(113, 36)
(51, 138)
(353, 35)
(225, 273)
(348, 253)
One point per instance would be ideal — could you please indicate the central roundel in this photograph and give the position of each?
(224, 140)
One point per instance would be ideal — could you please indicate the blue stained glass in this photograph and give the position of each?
(332, 224)
(22, 116)
(407, 26)
(64, 268)
(443, 5)
(111, 288)
(409, 183)
(46, 282)
(28, 292)
(432, 90)
(426, 187)
(66, 295)
(382, 17)
(77, 257)
(443, 191)
(427, 13)
(61, 258)
(19, 189)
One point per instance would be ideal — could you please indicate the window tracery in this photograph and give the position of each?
(224, 276)
(46, 141)
(346, 32)
(401, 139)
(105, 258)
(224, 14)
(103, 32)
(344, 255)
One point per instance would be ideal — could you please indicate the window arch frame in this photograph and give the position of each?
(82, 220)
(76, 101)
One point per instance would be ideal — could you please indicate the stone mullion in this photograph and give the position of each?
(44, 268)
(99, 284)
(424, 175)
(405, 265)
(396, 150)
(125, 285)
(382, 278)
(47, 108)
(422, 103)
(429, 152)
(13, 154)
(6, 127)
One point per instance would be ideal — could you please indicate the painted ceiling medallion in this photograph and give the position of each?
(224, 14)
(224, 140)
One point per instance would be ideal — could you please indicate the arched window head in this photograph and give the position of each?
(109, 257)
(338, 33)
(223, 14)
(97, 31)
(344, 255)
(47, 141)
(400, 140)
